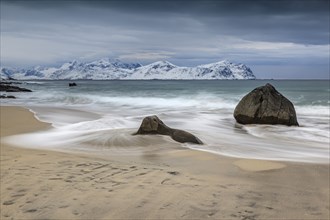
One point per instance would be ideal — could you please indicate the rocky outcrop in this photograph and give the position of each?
(153, 125)
(265, 105)
(7, 87)
(7, 97)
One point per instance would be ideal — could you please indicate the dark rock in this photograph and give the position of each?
(9, 82)
(5, 87)
(265, 105)
(7, 97)
(72, 84)
(153, 125)
(183, 136)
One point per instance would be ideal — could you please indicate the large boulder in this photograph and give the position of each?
(153, 125)
(265, 105)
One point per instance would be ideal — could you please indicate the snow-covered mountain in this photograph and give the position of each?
(5, 73)
(106, 69)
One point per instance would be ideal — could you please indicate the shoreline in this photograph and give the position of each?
(61, 118)
(181, 183)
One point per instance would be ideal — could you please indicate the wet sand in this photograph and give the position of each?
(173, 184)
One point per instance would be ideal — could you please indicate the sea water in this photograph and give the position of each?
(109, 112)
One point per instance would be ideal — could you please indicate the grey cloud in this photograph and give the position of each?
(184, 32)
(226, 6)
(302, 21)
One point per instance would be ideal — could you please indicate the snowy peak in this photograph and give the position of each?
(130, 66)
(221, 62)
(110, 63)
(153, 69)
(69, 65)
(107, 69)
(231, 70)
(162, 64)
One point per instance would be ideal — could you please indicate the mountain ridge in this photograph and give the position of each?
(107, 69)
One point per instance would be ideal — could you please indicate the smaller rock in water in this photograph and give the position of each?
(7, 97)
(265, 105)
(153, 125)
(72, 84)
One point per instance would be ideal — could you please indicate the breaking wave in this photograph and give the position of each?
(104, 120)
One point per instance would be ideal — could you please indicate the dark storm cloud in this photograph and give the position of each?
(298, 21)
(281, 20)
(301, 21)
(184, 32)
(226, 6)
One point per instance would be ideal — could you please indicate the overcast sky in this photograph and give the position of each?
(276, 39)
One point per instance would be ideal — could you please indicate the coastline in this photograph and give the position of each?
(39, 184)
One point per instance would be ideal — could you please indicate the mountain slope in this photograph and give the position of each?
(106, 69)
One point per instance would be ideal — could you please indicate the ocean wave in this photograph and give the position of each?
(63, 99)
(313, 110)
(112, 133)
(291, 133)
(114, 114)
(34, 82)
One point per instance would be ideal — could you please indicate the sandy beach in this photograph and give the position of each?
(173, 184)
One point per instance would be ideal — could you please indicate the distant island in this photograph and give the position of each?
(107, 69)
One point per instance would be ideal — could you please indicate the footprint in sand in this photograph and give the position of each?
(31, 210)
(165, 180)
(10, 202)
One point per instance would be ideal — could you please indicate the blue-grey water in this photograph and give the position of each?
(205, 108)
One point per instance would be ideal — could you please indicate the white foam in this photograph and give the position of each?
(208, 115)
(217, 129)
(34, 82)
(313, 110)
(67, 98)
